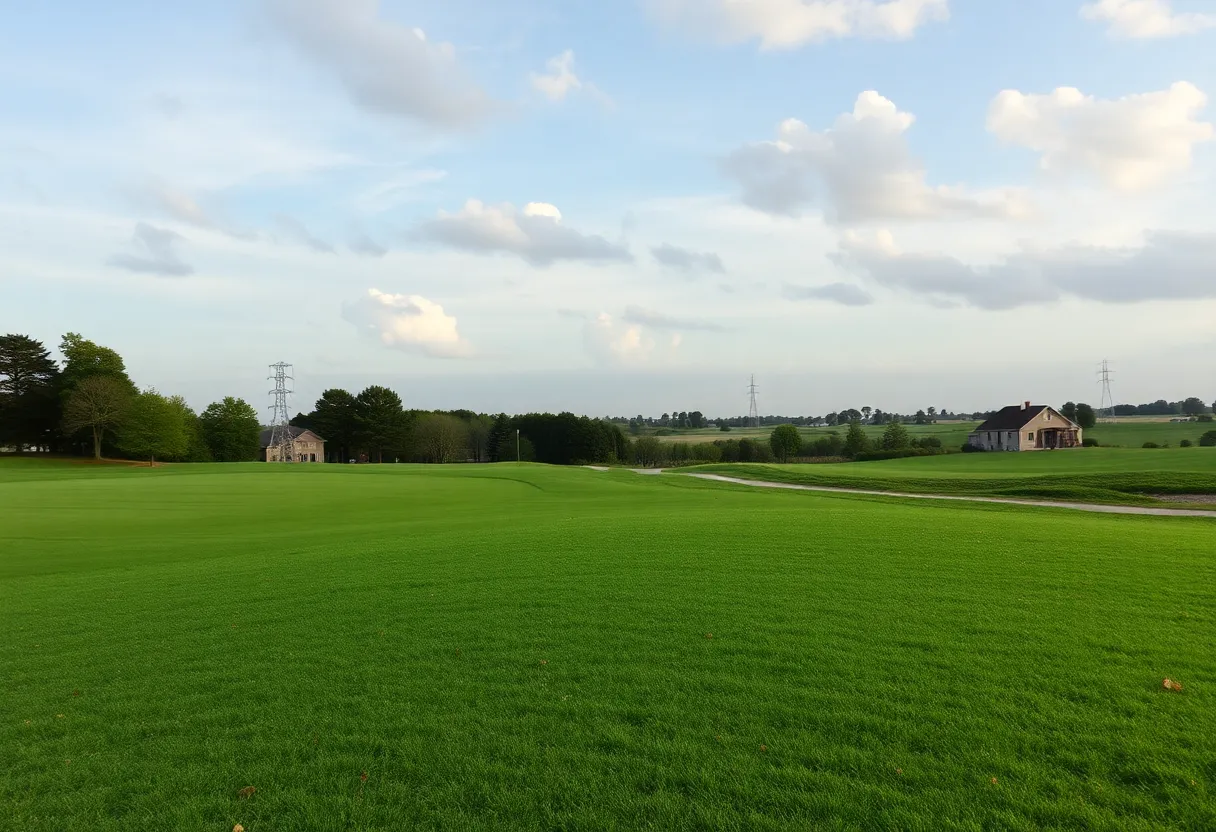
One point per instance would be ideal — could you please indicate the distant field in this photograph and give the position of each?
(1124, 433)
(522, 647)
(1111, 475)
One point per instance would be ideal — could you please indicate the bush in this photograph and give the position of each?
(826, 446)
(1150, 445)
(929, 443)
(725, 428)
(972, 449)
(1185, 443)
(1089, 442)
(1208, 440)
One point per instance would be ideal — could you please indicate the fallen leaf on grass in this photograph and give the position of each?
(764, 748)
(994, 781)
(75, 693)
(899, 771)
(709, 635)
(238, 828)
(246, 792)
(363, 777)
(1170, 684)
(59, 716)
(544, 661)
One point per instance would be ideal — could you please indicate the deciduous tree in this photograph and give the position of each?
(895, 437)
(231, 430)
(1086, 417)
(99, 405)
(855, 440)
(785, 442)
(440, 437)
(335, 420)
(154, 427)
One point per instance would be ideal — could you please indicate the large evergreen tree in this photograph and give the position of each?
(895, 437)
(335, 420)
(855, 441)
(231, 430)
(381, 420)
(499, 446)
(29, 382)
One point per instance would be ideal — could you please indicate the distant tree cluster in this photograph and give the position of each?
(90, 405)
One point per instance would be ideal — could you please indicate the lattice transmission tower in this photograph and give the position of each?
(753, 411)
(282, 443)
(1106, 408)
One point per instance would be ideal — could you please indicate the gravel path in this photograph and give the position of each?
(1095, 507)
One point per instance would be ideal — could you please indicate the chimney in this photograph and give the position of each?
(1026, 406)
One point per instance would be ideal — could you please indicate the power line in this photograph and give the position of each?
(753, 411)
(282, 444)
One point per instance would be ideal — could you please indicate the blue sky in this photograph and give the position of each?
(978, 201)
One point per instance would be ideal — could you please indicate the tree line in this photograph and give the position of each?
(88, 404)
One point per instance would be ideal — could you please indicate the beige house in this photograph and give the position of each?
(308, 447)
(1026, 428)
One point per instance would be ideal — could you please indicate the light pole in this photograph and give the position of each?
(517, 446)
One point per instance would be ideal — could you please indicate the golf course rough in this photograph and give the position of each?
(523, 647)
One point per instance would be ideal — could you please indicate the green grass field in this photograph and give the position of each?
(1103, 475)
(1125, 433)
(523, 647)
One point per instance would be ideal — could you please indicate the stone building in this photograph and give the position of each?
(308, 446)
(1026, 428)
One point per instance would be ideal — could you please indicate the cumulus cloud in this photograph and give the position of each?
(154, 253)
(863, 166)
(682, 259)
(407, 322)
(559, 79)
(1168, 266)
(846, 294)
(297, 231)
(618, 343)
(1130, 143)
(535, 234)
(657, 320)
(788, 24)
(1138, 19)
(384, 67)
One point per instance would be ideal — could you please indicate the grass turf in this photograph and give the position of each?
(1124, 433)
(1101, 475)
(526, 648)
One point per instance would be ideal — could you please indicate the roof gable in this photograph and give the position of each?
(1014, 417)
(296, 433)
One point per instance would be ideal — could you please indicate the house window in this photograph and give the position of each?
(1030, 436)
(1049, 415)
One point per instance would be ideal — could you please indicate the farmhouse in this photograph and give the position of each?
(1026, 428)
(308, 446)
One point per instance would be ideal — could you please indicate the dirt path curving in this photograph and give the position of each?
(1095, 507)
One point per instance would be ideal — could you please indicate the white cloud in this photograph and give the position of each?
(407, 322)
(185, 208)
(1167, 266)
(845, 294)
(559, 80)
(787, 24)
(864, 166)
(617, 343)
(156, 253)
(1138, 19)
(384, 66)
(535, 234)
(685, 260)
(1130, 143)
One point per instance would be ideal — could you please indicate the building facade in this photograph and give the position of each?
(1026, 428)
(307, 446)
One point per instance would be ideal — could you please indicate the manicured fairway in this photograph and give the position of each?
(530, 648)
(1110, 475)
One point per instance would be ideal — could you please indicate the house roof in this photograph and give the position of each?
(1013, 417)
(296, 433)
